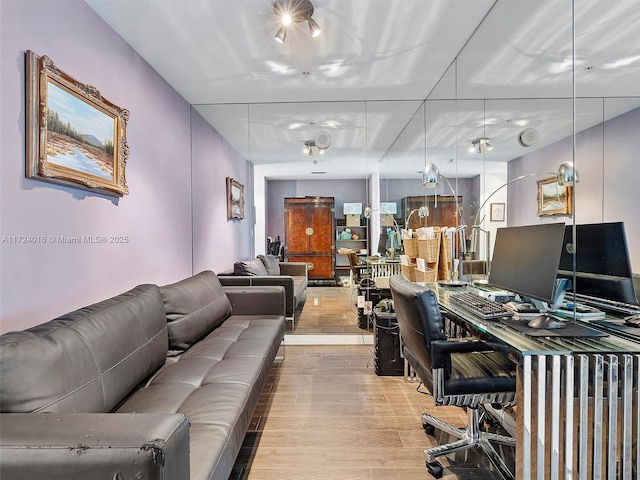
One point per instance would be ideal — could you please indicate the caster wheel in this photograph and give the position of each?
(429, 429)
(435, 469)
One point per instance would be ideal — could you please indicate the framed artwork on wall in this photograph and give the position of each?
(553, 198)
(496, 213)
(75, 137)
(235, 199)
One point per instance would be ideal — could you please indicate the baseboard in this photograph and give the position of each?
(329, 339)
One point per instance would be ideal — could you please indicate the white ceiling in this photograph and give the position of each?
(366, 76)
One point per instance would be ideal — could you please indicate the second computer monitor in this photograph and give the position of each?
(602, 263)
(525, 260)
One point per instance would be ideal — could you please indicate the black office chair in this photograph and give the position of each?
(466, 373)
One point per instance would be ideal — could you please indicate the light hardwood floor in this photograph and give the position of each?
(326, 415)
(328, 310)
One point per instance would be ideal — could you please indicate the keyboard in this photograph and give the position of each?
(480, 306)
(604, 304)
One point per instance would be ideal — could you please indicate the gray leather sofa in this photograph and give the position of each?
(93, 394)
(266, 270)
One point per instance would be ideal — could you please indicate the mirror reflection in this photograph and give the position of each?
(501, 121)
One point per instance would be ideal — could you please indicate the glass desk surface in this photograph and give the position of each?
(522, 345)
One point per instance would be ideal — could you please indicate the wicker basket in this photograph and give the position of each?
(410, 247)
(428, 249)
(409, 271)
(430, 276)
(444, 266)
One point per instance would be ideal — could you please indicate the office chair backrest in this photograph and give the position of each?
(353, 259)
(419, 320)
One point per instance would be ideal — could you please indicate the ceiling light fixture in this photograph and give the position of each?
(322, 141)
(294, 11)
(481, 145)
(281, 34)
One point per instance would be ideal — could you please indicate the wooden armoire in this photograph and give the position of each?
(310, 235)
(442, 215)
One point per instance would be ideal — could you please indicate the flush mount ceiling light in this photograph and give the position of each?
(294, 11)
(322, 141)
(481, 145)
(528, 137)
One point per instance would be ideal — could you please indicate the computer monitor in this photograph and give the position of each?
(603, 266)
(525, 260)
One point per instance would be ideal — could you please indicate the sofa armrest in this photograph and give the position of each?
(74, 446)
(256, 300)
(285, 281)
(295, 269)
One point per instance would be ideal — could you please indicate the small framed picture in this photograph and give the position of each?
(497, 212)
(235, 199)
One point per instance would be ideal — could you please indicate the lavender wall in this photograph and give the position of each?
(43, 280)
(608, 189)
(218, 242)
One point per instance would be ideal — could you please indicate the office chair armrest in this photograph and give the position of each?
(441, 350)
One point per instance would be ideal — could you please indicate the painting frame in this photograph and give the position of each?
(235, 199)
(75, 137)
(496, 212)
(553, 198)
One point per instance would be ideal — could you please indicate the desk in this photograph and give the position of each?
(576, 399)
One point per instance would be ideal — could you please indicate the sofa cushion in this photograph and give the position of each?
(250, 267)
(217, 385)
(194, 306)
(87, 360)
(271, 263)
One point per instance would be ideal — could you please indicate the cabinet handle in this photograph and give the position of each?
(309, 231)
(309, 266)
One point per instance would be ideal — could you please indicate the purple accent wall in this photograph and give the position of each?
(608, 188)
(218, 242)
(154, 223)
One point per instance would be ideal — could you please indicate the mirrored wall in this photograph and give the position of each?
(520, 99)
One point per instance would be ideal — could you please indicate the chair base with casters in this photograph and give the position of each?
(469, 437)
(459, 372)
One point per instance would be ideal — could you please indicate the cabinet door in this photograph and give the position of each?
(320, 267)
(296, 225)
(321, 240)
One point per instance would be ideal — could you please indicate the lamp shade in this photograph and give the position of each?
(567, 174)
(430, 176)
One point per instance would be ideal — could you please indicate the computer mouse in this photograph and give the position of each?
(632, 320)
(545, 322)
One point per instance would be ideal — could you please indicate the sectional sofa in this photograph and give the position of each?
(155, 383)
(266, 270)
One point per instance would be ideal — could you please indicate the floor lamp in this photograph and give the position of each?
(431, 178)
(566, 176)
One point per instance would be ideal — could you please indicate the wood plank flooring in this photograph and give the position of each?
(325, 415)
(328, 310)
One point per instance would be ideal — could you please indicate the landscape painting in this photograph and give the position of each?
(75, 137)
(79, 136)
(553, 198)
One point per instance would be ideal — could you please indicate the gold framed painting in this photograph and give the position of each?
(553, 198)
(75, 137)
(235, 199)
